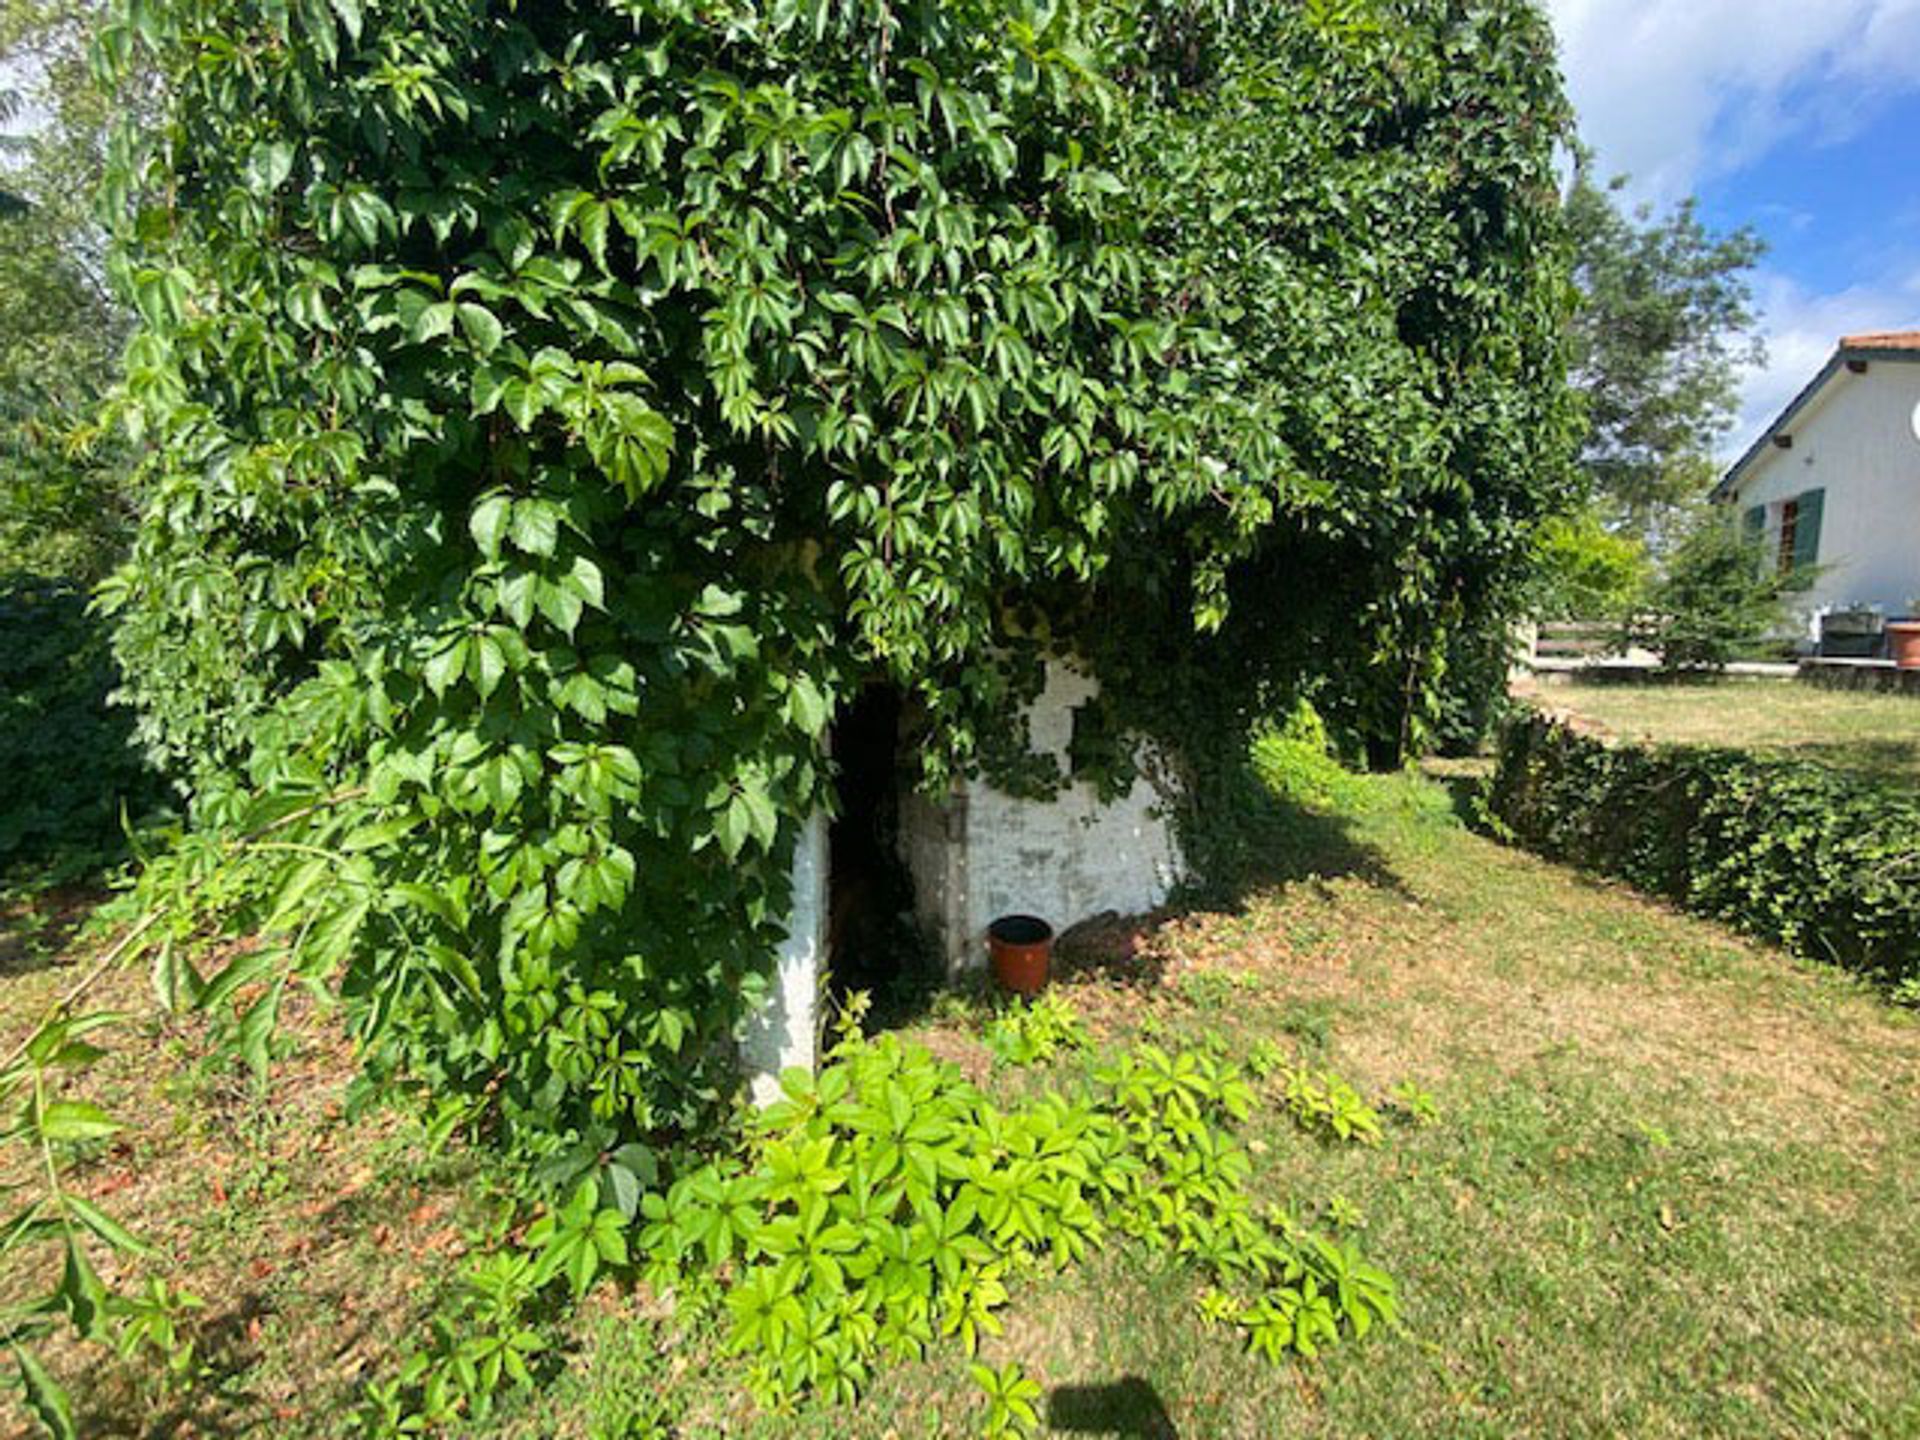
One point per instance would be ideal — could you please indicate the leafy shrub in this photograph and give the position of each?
(546, 430)
(1012, 1400)
(1034, 1031)
(1296, 762)
(1719, 599)
(67, 753)
(1823, 862)
(1323, 1102)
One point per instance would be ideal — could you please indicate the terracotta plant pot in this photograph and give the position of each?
(1904, 638)
(1021, 950)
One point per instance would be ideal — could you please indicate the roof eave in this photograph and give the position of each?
(1738, 471)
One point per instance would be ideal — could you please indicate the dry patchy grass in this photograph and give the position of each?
(1873, 735)
(1673, 1192)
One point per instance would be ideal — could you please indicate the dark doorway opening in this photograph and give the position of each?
(871, 943)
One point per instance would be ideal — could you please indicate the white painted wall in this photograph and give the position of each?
(975, 856)
(1856, 440)
(786, 1031)
(982, 853)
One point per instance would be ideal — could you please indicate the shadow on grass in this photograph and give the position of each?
(1891, 762)
(1122, 1407)
(36, 930)
(1464, 785)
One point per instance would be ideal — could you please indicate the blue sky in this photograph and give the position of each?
(1799, 117)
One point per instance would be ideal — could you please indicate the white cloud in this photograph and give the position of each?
(1674, 91)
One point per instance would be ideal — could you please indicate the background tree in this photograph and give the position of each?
(1663, 329)
(66, 511)
(1716, 601)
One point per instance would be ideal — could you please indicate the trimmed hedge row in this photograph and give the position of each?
(1825, 863)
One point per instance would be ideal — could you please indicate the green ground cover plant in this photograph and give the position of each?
(886, 1206)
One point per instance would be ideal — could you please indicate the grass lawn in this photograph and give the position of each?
(1675, 1189)
(1874, 735)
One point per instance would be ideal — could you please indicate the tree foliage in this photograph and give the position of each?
(1718, 599)
(552, 412)
(1663, 329)
(63, 508)
(1588, 571)
(65, 513)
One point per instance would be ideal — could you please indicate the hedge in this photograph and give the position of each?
(68, 766)
(1827, 864)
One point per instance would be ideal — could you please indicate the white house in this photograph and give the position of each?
(1834, 482)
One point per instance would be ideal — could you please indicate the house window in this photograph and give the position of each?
(1789, 532)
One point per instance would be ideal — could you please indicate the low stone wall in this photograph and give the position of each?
(1879, 677)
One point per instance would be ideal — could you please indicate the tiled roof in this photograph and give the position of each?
(1899, 344)
(1882, 340)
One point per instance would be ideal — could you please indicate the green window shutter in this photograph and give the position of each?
(1806, 530)
(1754, 522)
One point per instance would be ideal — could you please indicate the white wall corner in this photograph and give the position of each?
(786, 1031)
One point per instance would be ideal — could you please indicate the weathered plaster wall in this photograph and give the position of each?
(1858, 443)
(974, 856)
(786, 1032)
(983, 854)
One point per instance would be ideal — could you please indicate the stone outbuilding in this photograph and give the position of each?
(953, 863)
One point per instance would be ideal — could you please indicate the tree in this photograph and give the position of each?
(1717, 599)
(66, 514)
(1663, 329)
(64, 510)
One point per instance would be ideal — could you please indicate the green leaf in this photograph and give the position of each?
(268, 165)
(516, 595)
(734, 826)
(807, 705)
(256, 1032)
(488, 664)
(252, 966)
(586, 582)
(105, 1226)
(592, 222)
(176, 984)
(380, 833)
(446, 665)
(73, 1120)
(482, 327)
(536, 526)
(432, 322)
(561, 605)
(45, 1398)
(81, 1292)
(488, 524)
(350, 19)
(289, 903)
